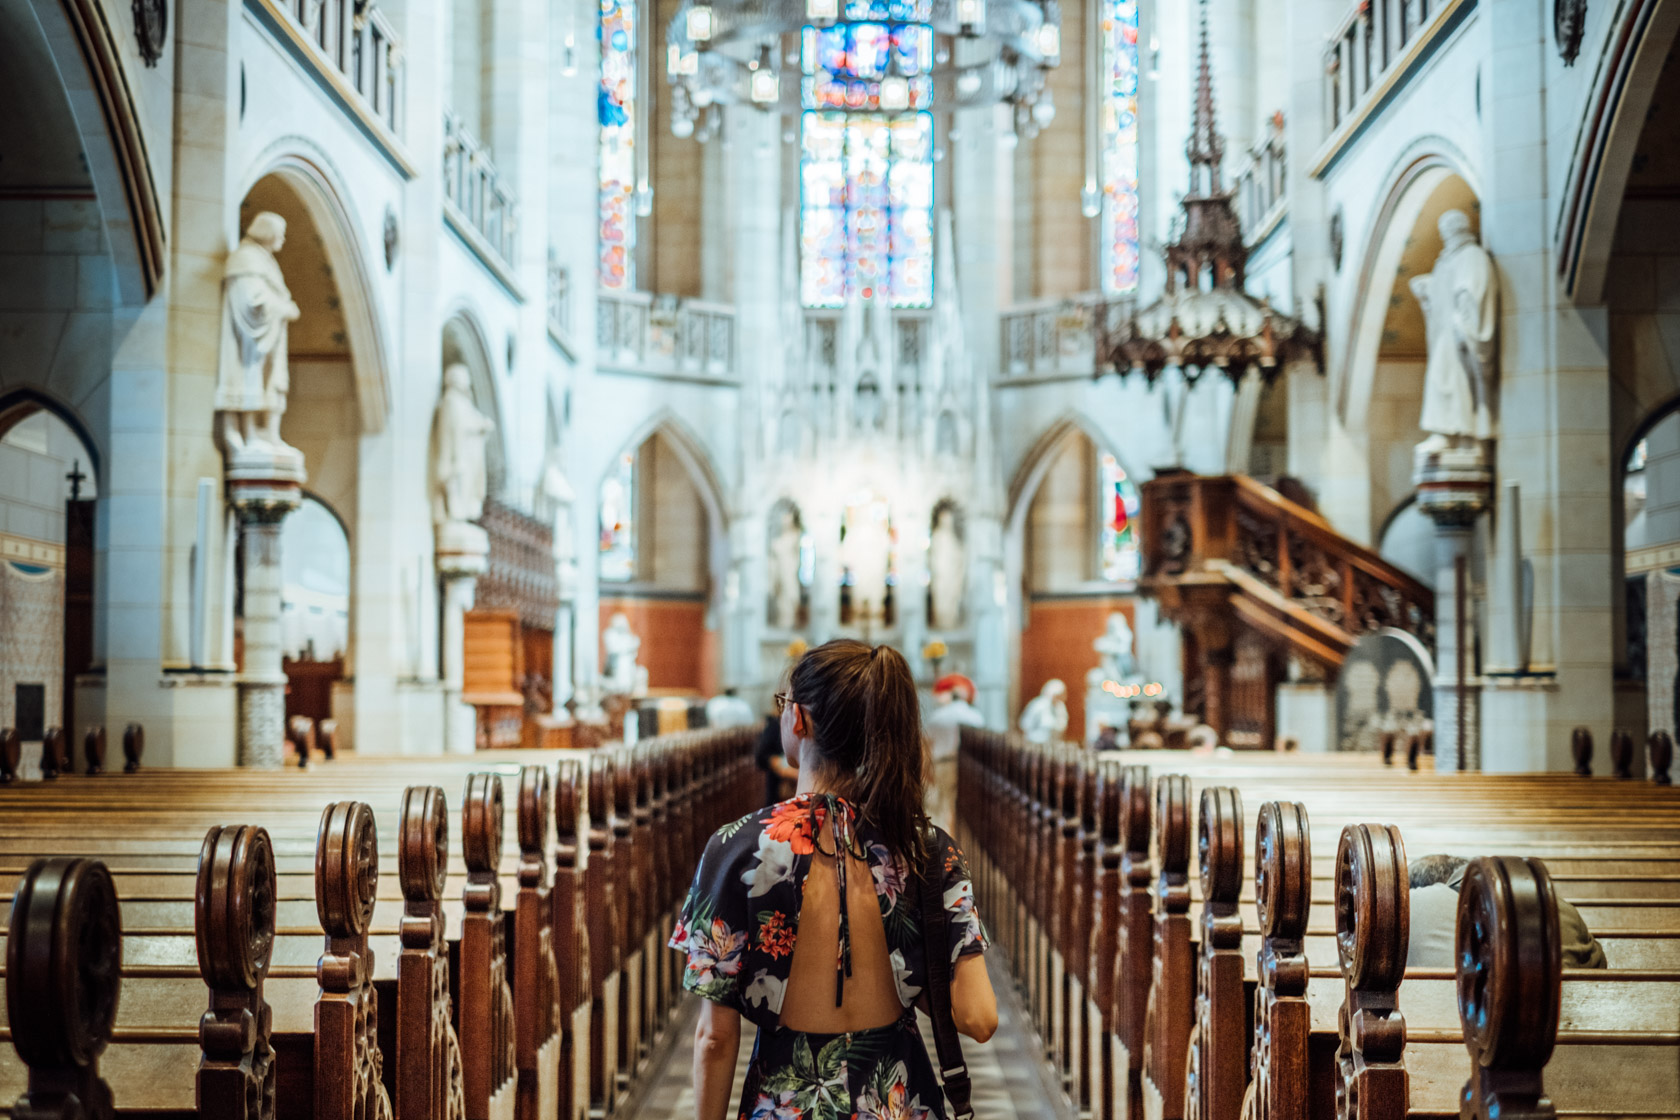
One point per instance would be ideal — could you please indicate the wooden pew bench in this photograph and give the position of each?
(1032, 817)
(664, 799)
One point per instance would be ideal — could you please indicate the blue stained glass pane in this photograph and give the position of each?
(844, 64)
(867, 208)
(1119, 155)
(615, 105)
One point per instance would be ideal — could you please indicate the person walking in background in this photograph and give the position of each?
(768, 757)
(807, 917)
(953, 710)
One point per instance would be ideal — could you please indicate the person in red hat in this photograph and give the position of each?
(953, 709)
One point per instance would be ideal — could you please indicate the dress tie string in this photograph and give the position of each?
(845, 844)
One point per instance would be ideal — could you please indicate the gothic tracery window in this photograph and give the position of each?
(1119, 153)
(866, 156)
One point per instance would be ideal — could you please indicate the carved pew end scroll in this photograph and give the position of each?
(235, 914)
(1372, 927)
(1510, 974)
(63, 969)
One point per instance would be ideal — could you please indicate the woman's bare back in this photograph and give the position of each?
(870, 998)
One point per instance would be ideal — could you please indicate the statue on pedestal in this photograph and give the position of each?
(1460, 301)
(786, 591)
(624, 676)
(252, 376)
(1114, 645)
(459, 431)
(866, 551)
(1045, 717)
(948, 568)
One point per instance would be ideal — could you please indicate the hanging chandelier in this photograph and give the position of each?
(885, 57)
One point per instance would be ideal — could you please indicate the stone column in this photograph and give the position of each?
(463, 552)
(262, 504)
(1454, 486)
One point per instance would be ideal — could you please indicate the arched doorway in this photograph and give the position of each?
(55, 377)
(335, 411)
(1075, 552)
(656, 563)
(47, 496)
(1645, 414)
(315, 611)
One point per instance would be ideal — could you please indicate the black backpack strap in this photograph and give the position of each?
(936, 951)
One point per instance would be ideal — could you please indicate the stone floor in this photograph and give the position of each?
(1010, 1080)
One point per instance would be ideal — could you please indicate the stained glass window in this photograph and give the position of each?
(866, 180)
(844, 64)
(1121, 561)
(866, 188)
(616, 106)
(618, 520)
(1119, 156)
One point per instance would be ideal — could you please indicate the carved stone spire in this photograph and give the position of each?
(1212, 242)
(1206, 148)
(1204, 320)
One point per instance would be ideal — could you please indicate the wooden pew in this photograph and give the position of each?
(1631, 912)
(64, 952)
(1617, 1052)
(669, 780)
(429, 1077)
(235, 935)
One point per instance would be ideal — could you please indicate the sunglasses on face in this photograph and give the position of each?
(782, 699)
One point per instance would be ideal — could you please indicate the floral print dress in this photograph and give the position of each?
(738, 928)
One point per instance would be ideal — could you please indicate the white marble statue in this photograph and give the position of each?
(1114, 645)
(785, 588)
(625, 677)
(1460, 301)
(252, 376)
(865, 551)
(559, 497)
(1045, 717)
(459, 432)
(947, 565)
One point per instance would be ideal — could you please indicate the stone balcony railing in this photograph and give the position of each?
(355, 55)
(1054, 339)
(476, 200)
(1374, 50)
(664, 336)
(1263, 185)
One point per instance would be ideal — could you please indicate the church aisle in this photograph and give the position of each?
(1010, 1080)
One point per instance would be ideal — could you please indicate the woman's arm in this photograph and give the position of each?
(717, 1044)
(973, 1003)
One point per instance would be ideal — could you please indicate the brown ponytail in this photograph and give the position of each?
(866, 724)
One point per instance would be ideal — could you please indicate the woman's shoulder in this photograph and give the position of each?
(792, 824)
(741, 832)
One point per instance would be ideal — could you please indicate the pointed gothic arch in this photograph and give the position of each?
(1637, 45)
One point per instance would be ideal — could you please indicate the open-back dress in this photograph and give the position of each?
(739, 926)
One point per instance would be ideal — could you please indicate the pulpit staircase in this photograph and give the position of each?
(1255, 579)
